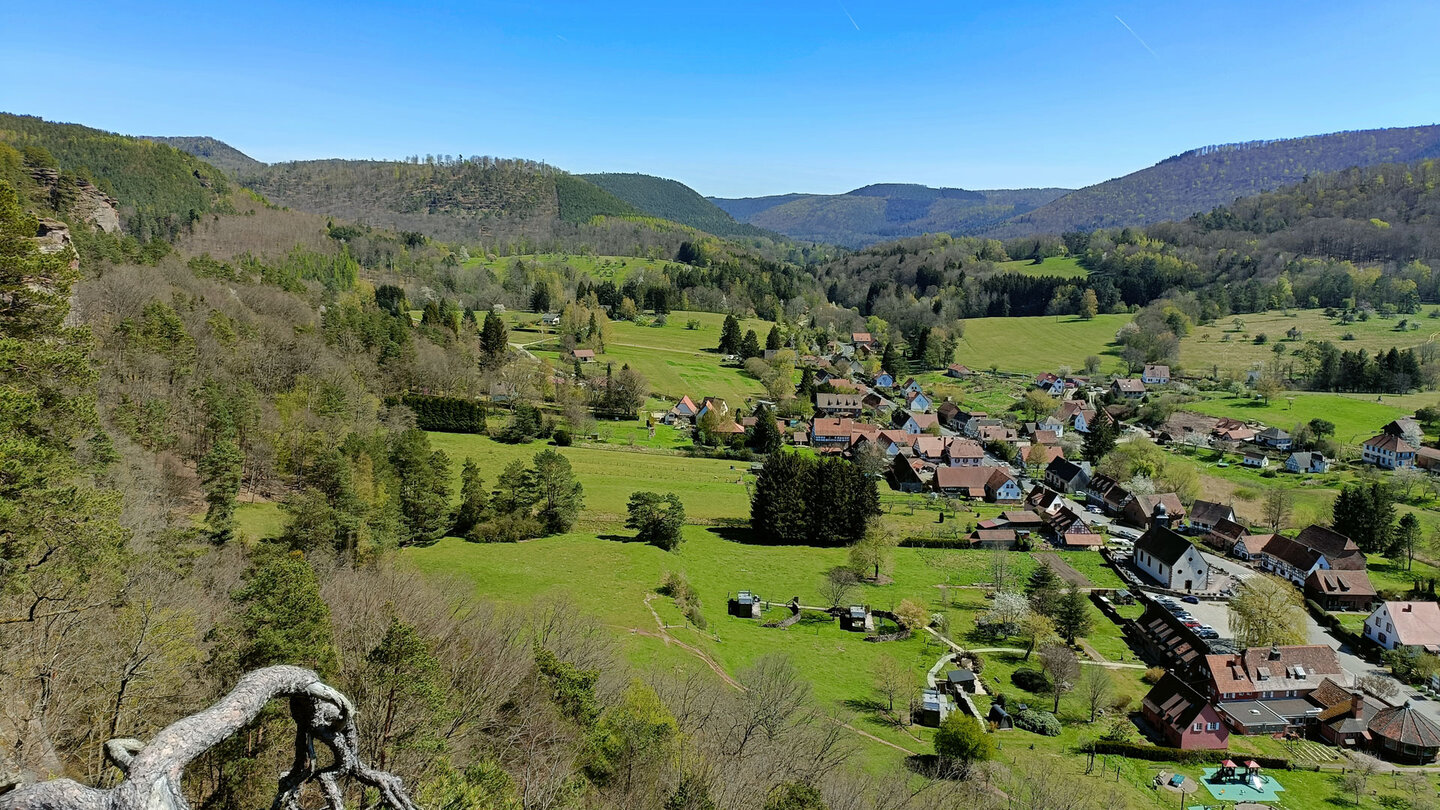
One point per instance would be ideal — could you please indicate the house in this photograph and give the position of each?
(864, 339)
(831, 435)
(948, 413)
(915, 423)
(1252, 546)
(1273, 673)
(1205, 514)
(960, 681)
(1001, 487)
(996, 433)
(584, 355)
(1344, 715)
(917, 401)
(1106, 492)
(993, 538)
(1291, 560)
(1388, 452)
(1254, 459)
(1184, 718)
(1070, 530)
(963, 453)
(1163, 638)
(1405, 428)
(1225, 536)
(1341, 590)
(857, 619)
(1052, 424)
(838, 404)
(1069, 477)
(910, 387)
(1155, 375)
(550, 319)
(1044, 501)
(712, 403)
(1405, 624)
(975, 425)
(1083, 419)
(929, 448)
(958, 371)
(884, 380)
(962, 482)
(933, 708)
(874, 402)
(1039, 456)
(1316, 547)
(905, 476)
(1427, 458)
(1307, 461)
(1274, 438)
(684, 409)
(744, 605)
(1128, 388)
(1141, 510)
(1171, 560)
(1404, 734)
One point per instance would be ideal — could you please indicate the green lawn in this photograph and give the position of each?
(1032, 345)
(1062, 266)
(1356, 417)
(1220, 346)
(675, 359)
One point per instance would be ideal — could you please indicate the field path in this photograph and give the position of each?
(691, 352)
(1106, 664)
(665, 636)
(1066, 571)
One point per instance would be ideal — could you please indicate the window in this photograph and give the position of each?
(1212, 726)
(1199, 726)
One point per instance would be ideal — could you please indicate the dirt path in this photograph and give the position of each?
(1100, 663)
(1062, 568)
(665, 636)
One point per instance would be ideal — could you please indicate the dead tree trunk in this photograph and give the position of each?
(153, 770)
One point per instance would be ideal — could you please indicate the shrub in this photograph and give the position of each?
(1031, 680)
(562, 438)
(1042, 723)
(510, 528)
(1153, 675)
(444, 414)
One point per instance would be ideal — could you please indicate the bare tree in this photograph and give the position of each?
(1357, 778)
(1379, 685)
(1279, 505)
(892, 680)
(838, 584)
(1061, 666)
(999, 568)
(1096, 686)
(153, 770)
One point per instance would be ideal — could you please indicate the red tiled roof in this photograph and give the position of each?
(1417, 624)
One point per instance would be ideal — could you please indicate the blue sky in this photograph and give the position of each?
(736, 98)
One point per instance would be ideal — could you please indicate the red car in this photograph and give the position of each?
(1192, 625)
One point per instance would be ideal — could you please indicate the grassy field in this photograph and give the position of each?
(1033, 345)
(1062, 266)
(675, 359)
(613, 268)
(1356, 417)
(1222, 346)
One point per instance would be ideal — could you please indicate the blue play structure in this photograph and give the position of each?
(1233, 784)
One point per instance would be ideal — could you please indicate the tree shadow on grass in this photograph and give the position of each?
(620, 538)
(864, 705)
(736, 533)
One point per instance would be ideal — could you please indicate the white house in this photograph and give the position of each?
(1156, 375)
(1307, 461)
(1171, 560)
(1256, 460)
(1388, 452)
(1405, 624)
(917, 401)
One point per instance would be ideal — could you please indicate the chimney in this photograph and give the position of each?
(1408, 608)
(1357, 704)
(1274, 652)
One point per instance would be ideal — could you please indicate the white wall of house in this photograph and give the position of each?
(1379, 629)
(1190, 572)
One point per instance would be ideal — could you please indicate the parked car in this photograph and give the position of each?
(1094, 510)
(1193, 625)
(1190, 600)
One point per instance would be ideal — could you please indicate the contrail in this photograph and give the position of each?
(1137, 37)
(852, 19)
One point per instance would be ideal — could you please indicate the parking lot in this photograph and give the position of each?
(1215, 614)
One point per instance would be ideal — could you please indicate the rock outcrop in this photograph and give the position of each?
(88, 203)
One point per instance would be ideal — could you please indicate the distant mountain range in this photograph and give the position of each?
(884, 211)
(450, 200)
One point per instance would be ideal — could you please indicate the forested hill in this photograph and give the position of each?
(1201, 179)
(884, 211)
(675, 201)
(215, 152)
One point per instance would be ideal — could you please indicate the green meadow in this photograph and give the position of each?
(1045, 343)
(1061, 266)
(1229, 344)
(1356, 417)
(600, 268)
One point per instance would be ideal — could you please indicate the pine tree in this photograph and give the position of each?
(764, 436)
(473, 499)
(750, 346)
(890, 359)
(730, 336)
(773, 340)
(424, 491)
(494, 342)
(220, 472)
(558, 495)
(283, 620)
(1072, 614)
(1101, 438)
(778, 507)
(1043, 589)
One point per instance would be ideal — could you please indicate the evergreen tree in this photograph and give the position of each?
(750, 346)
(1043, 589)
(807, 384)
(1406, 538)
(473, 499)
(220, 472)
(408, 683)
(1072, 614)
(540, 297)
(890, 359)
(424, 486)
(283, 620)
(494, 342)
(730, 336)
(1101, 438)
(773, 340)
(764, 436)
(842, 502)
(513, 490)
(1365, 512)
(558, 495)
(779, 505)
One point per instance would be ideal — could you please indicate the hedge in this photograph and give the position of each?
(1158, 753)
(935, 542)
(444, 414)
